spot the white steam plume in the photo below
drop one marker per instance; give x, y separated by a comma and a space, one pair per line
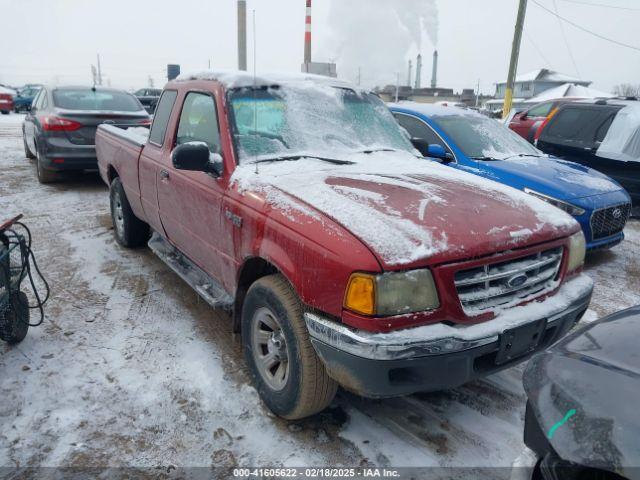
379, 36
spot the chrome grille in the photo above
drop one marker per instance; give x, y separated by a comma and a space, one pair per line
609, 221
483, 288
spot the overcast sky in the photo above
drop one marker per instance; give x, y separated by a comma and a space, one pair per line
57, 40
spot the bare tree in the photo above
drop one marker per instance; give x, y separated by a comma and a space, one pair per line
627, 90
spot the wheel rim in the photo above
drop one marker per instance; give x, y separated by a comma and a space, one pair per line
269, 348
118, 214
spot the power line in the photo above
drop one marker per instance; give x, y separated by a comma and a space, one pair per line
564, 37
537, 49
617, 7
580, 27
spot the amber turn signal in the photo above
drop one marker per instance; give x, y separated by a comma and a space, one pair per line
361, 294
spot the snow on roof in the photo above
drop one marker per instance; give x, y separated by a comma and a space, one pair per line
568, 90
434, 109
239, 79
544, 74
10, 91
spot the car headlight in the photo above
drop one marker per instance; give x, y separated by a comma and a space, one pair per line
393, 293
567, 207
577, 251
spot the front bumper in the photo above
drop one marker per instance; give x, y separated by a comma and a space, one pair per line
437, 357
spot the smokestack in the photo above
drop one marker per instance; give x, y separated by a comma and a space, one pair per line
307, 34
434, 72
409, 76
242, 35
418, 71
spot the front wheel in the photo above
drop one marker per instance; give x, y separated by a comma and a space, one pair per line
128, 229
14, 319
289, 376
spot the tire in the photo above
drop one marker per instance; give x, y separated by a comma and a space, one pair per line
129, 230
5, 112
27, 150
44, 176
14, 320
306, 388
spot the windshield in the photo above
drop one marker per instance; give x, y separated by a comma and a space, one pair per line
311, 120
88, 99
482, 137
622, 141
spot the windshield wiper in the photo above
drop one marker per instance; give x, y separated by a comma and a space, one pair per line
374, 150
523, 155
486, 159
285, 158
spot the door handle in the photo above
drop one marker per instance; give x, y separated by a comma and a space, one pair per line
164, 175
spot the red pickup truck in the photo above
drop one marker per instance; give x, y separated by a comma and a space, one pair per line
345, 258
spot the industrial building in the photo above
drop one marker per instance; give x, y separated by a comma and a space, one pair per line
413, 91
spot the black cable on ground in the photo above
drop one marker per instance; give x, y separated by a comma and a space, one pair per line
28, 258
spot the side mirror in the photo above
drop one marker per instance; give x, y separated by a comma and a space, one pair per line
421, 145
196, 157
438, 151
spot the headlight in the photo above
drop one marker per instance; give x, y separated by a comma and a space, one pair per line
391, 293
567, 207
577, 250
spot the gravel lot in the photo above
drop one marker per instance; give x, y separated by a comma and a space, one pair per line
130, 368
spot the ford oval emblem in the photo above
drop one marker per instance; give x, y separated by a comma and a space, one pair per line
617, 213
517, 280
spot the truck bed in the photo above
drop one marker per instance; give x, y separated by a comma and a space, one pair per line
118, 152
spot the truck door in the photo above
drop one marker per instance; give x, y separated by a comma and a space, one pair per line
151, 160
191, 202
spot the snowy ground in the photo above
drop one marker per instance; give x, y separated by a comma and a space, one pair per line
132, 369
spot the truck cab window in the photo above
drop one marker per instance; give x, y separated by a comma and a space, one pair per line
161, 117
199, 122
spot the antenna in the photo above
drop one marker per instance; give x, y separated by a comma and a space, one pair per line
255, 83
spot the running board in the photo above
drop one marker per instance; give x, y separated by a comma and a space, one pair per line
206, 286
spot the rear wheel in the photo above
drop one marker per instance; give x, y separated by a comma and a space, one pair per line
45, 176
128, 229
14, 320
5, 112
289, 376
27, 150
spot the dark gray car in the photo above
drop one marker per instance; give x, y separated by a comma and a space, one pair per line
148, 98
59, 131
583, 396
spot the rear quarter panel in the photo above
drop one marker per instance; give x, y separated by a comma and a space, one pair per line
122, 156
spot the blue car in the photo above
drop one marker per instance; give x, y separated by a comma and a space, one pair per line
469, 141
23, 100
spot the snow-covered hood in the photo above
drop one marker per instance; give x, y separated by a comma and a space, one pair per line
407, 211
554, 177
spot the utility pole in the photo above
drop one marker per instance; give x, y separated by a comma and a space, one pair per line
409, 76
478, 94
397, 86
242, 35
515, 54
99, 71
359, 75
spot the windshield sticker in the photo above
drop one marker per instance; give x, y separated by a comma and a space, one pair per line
564, 420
